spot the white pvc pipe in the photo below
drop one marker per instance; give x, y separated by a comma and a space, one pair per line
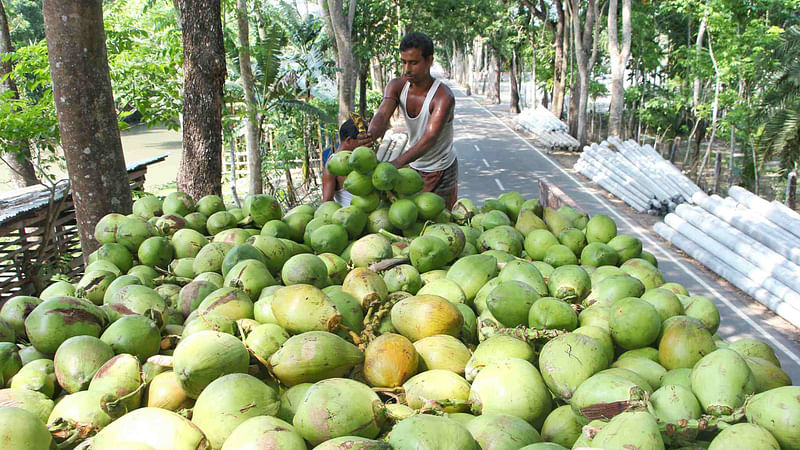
658, 190
612, 187
789, 239
753, 229
738, 279
766, 209
644, 184
754, 251
739, 263
621, 177
621, 187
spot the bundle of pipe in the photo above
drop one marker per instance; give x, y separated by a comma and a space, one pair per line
548, 130
748, 241
392, 145
636, 174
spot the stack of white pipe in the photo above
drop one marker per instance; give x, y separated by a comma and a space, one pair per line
752, 243
638, 175
547, 129
392, 145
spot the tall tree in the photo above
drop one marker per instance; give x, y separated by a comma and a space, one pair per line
619, 60
251, 120
585, 56
200, 170
340, 26
18, 159
559, 60
87, 119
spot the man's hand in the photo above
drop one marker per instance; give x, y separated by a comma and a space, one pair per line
364, 140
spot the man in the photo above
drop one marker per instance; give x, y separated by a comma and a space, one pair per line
428, 107
332, 186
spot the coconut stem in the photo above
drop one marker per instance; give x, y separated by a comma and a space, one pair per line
486, 329
376, 311
67, 432
387, 264
393, 237
706, 422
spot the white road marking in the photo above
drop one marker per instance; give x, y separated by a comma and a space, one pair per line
763, 332
500, 185
476, 148
485, 163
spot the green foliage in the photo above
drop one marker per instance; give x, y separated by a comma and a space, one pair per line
30, 118
781, 108
25, 21
145, 56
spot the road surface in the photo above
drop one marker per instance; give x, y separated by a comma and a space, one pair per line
493, 158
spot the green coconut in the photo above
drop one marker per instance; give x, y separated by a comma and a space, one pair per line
632, 429
721, 381
38, 375
34, 402
22, 430
313, 356
133, 334
78, 359
524, 272
603, 388
421, 316
264, 340
634, 323
205, 356
264, 430
442, 352
302, 307
151, 428
684, 341
776, 411
510, 386
338, 407
556, 362
561, 427
119, 380
229, 401
431, 432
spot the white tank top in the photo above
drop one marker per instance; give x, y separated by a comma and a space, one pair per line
440, 155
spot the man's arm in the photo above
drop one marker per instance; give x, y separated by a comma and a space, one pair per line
328, 184
443, 107
380, 121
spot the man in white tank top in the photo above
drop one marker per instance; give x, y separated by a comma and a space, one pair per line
428, 107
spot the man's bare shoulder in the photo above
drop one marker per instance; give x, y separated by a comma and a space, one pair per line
395, 86
444, 96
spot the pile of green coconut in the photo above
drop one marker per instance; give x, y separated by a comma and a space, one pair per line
392, 323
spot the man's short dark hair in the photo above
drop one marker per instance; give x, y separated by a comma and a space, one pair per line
348, 130
419, 41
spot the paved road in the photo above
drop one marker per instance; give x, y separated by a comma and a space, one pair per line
495, 159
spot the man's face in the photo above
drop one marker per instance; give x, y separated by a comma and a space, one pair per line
415, 66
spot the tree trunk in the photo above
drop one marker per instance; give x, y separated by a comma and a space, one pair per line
494, 78
714, 109
619, 60
87, 119
362, 89
559, 62
19, 159
514, 83
376, 74
251, 121
341, 25
698, 46
584, 39
200, 170
498, 61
